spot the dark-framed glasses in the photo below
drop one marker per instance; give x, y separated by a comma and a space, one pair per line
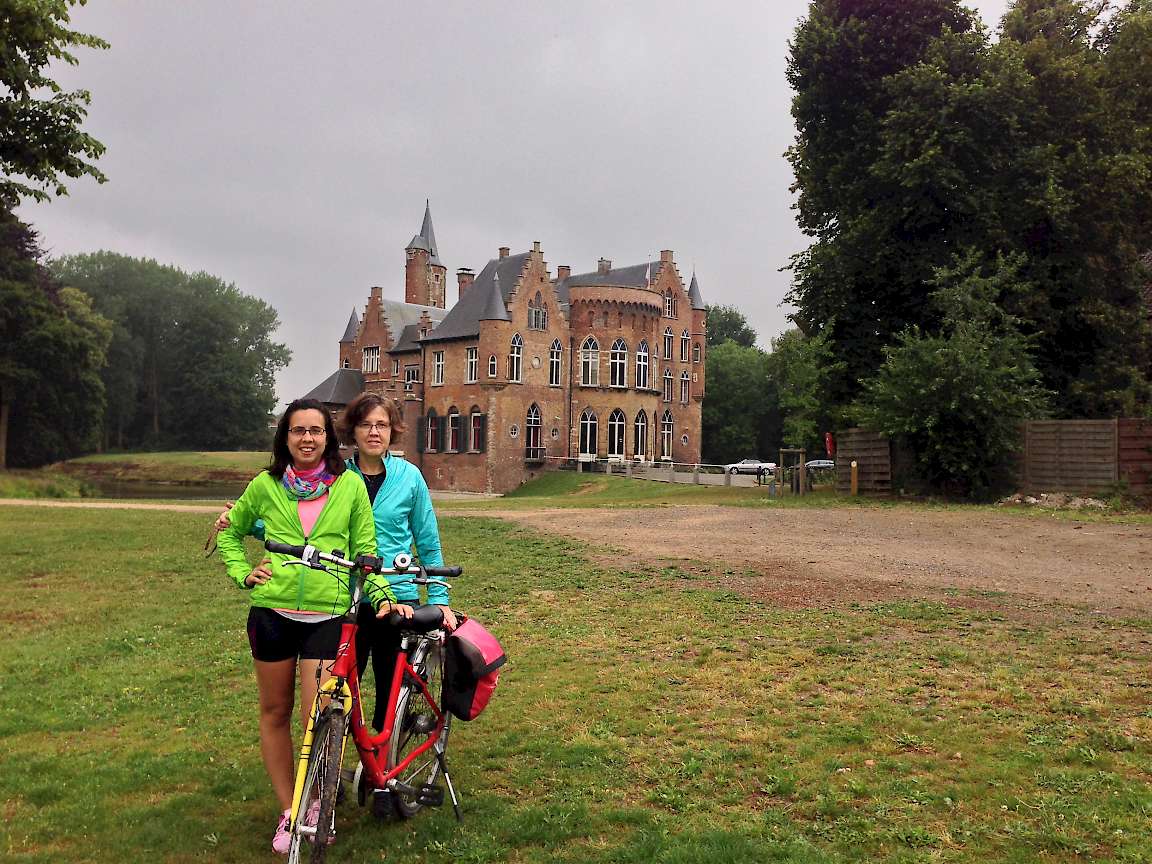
378, 426
301, 431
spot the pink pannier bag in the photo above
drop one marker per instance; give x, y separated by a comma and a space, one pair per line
472, 661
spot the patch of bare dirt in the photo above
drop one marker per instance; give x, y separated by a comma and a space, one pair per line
835, 556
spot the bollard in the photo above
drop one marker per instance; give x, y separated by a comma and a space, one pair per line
696, 474
627, 469
855, 478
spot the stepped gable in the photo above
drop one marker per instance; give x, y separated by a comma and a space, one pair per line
485, 300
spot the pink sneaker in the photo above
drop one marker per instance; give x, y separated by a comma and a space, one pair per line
314, 814
282, 839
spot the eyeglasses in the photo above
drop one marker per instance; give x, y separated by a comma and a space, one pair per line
301, 431
379, 426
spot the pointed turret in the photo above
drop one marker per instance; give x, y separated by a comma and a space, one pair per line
351, 330
426, 239
694, 294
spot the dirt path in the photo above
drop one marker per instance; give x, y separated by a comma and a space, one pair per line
109, 505
810, 557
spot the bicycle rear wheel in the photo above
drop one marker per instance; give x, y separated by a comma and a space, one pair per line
318, 798
415, 722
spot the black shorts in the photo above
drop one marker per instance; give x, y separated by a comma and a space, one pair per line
274, 637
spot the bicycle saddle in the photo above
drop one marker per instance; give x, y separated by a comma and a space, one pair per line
424, 619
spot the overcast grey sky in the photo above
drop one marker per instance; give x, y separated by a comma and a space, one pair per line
289, 147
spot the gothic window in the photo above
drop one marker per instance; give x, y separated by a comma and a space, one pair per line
515, 356
537, 313
666, 436
685, 346
476, 430
433, 440
685, 387
642, 365
533, 428
588, 433
618, 363
491, 365
554, 358
455, 432
696, 352
669, 304
640, 442
667, 385
616, 424
590, 363
668, 338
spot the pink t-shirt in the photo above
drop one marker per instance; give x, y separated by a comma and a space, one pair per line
309, 512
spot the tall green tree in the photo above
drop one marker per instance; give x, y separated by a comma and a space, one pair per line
740, 414
958, 396
918, 137
41, 140
727, 323
802, 367
52, 348
195, 357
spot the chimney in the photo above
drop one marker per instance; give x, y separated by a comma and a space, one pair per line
504, 250
603, 266
666, 256
563, 272
464, 279
535, 245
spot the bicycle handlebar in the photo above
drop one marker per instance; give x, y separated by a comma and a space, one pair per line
401, 564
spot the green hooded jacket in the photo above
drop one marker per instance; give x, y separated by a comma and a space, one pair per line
345, 523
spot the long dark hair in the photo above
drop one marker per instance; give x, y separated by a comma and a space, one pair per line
281, 458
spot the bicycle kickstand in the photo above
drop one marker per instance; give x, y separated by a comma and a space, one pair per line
451, 788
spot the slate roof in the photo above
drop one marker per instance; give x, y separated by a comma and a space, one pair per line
339, 388
426, 239
485, 300
633, 276
400, 315
352, 328
409, 340
694, 294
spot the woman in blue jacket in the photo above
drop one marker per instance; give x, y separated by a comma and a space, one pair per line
403, 515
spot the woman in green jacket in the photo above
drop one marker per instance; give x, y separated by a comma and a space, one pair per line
305, 496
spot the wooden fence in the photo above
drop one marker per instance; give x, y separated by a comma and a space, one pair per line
1134, 452
1070, 456
872, 453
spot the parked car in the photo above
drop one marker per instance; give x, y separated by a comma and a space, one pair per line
750, 466
820, 463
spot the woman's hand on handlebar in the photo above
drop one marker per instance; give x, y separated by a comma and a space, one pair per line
260, 574
450, 621
387, 608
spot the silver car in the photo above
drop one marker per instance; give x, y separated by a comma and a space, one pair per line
750, 466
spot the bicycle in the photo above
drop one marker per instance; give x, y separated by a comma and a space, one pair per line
395, 766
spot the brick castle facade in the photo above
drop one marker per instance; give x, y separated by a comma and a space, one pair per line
529, 369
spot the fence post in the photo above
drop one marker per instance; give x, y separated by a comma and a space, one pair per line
727, 477
627, 469
579, 466
608, 467
696, 474
855, 485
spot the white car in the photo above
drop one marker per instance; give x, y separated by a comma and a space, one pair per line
819, 463
750, 466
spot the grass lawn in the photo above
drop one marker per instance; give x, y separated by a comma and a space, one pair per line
242, 465
41, 484
644, 716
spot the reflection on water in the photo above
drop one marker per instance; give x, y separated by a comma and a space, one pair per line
183, 491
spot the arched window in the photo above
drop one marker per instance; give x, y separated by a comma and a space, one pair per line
588, 433
590, 363
616, 424
666, 435
537, 313
455, 430
515, 356
668, 343
685, 387
533, 443
640, 439
491, 365
618, 363
435, 432
477, 430
555, 355
642, 365
669, 304
685, 346
696, 352
667, 385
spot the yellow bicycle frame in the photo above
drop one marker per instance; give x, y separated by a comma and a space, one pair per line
327, 691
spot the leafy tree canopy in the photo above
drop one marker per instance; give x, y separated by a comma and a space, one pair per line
728, 323
193, 359
740, 416
41, 141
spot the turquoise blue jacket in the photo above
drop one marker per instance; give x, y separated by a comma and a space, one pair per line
404, 518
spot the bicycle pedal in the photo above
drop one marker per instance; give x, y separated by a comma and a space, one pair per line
431, 796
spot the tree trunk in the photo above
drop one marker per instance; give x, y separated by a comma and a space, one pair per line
155, 405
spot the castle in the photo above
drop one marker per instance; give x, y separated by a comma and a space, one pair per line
527, 369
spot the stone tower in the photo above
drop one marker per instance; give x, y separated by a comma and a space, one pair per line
424, 275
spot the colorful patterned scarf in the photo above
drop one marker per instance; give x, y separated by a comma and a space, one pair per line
307, 485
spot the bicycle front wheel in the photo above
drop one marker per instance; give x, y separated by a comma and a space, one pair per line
314, 823
415, 723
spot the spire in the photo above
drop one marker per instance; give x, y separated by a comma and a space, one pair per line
494, 308
694, 294
426, 239
350, 330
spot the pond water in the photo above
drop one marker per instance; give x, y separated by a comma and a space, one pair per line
183, 491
